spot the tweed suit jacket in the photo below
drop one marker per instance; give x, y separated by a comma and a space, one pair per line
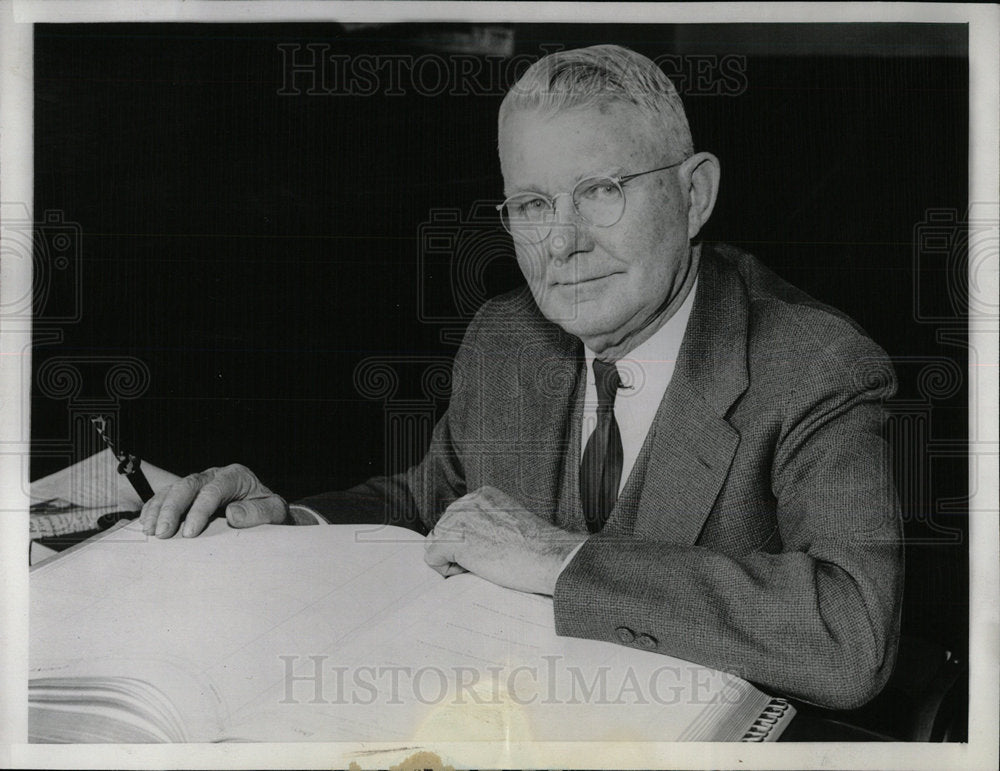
759, 532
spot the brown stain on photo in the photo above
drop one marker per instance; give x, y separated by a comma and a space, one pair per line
418, 761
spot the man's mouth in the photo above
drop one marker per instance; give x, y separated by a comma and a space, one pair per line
583, 281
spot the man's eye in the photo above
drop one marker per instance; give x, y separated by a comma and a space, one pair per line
529, 207
599, 190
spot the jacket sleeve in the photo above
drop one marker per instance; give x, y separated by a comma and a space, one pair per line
416, 497
818, 621
413, 499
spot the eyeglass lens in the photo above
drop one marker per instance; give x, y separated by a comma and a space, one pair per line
598, 200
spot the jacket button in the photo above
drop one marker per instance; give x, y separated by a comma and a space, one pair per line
625, 635
646, 641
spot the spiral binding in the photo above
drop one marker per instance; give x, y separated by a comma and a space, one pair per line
769, 717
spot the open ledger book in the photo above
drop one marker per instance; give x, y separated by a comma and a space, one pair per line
338, 633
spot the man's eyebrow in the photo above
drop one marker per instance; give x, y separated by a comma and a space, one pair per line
614, 171
617, 170
518, 190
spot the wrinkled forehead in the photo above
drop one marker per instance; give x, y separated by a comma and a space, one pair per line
578, 140
588, 112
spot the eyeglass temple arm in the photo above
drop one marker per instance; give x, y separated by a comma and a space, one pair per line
627, 177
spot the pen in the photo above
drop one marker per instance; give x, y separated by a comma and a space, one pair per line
128, 464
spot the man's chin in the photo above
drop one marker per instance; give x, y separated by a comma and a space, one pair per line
577, 322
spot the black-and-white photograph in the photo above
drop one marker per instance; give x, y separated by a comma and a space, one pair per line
468, 389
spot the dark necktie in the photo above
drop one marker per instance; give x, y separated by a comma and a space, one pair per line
601, 469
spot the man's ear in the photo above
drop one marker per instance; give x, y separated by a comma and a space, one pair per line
701, 171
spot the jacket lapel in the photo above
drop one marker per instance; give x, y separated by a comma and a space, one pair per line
692, 443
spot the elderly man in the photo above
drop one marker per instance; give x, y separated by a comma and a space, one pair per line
678, 446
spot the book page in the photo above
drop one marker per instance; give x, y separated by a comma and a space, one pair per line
466, 660
125, 698
224, 606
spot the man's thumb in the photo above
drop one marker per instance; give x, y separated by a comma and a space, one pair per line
249, 513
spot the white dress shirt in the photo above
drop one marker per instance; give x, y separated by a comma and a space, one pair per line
645, 375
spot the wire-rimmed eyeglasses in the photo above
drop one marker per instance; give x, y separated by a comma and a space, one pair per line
529, 217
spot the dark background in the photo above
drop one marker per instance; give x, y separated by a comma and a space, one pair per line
251, 248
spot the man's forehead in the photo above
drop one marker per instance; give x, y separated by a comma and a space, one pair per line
537, 144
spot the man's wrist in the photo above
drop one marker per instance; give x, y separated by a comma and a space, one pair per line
565, 555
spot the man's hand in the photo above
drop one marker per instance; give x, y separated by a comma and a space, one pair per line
196, 497
490, 534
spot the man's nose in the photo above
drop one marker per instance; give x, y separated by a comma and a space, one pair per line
568, 230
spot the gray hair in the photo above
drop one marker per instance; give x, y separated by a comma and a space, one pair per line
600, 74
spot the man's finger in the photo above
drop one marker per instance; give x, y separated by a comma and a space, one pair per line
451, 569
150, 512
257, 511
205, 504
237, 482
452, 524
231, 483
175, 504
439, 554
